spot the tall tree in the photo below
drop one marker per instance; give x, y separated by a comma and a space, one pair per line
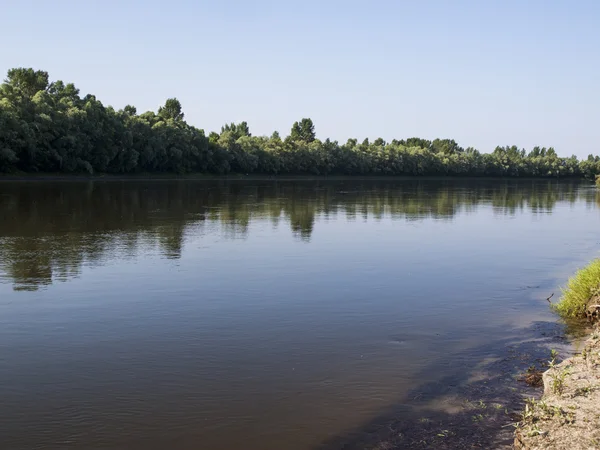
26, 82
236, 130
303, 131
171, 110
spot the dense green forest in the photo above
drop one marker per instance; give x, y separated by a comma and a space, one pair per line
48, 127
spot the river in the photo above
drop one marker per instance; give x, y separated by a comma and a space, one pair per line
263, 314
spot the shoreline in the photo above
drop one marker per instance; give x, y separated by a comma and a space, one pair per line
567, 416
474, 408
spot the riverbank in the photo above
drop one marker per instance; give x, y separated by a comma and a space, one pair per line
567, 417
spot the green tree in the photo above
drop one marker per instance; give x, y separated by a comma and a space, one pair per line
171, 110
26, 82
237, 130
303, 131
130, 110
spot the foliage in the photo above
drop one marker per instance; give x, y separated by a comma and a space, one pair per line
303, 131
49, 127
580, 289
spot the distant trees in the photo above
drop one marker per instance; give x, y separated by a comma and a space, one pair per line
49, 127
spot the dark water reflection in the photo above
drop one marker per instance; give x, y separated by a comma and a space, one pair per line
261, 314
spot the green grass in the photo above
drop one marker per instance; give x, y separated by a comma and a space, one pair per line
580, 289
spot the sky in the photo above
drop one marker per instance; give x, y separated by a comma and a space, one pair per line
482, 72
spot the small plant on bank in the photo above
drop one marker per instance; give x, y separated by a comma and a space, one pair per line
553, 358
558, 382
583, 391
581, 288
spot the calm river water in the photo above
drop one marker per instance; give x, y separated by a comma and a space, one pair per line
262, 315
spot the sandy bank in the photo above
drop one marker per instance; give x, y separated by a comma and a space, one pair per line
568, 415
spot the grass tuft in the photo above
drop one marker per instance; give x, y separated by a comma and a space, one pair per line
581, 288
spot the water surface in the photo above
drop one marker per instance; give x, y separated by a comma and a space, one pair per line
262, 314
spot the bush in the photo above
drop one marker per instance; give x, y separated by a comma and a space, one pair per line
581, 288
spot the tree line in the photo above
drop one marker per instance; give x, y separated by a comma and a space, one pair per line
49, 127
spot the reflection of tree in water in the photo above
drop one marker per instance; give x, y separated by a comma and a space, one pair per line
302, 219
49, 230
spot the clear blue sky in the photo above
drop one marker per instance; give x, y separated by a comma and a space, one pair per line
481, 72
